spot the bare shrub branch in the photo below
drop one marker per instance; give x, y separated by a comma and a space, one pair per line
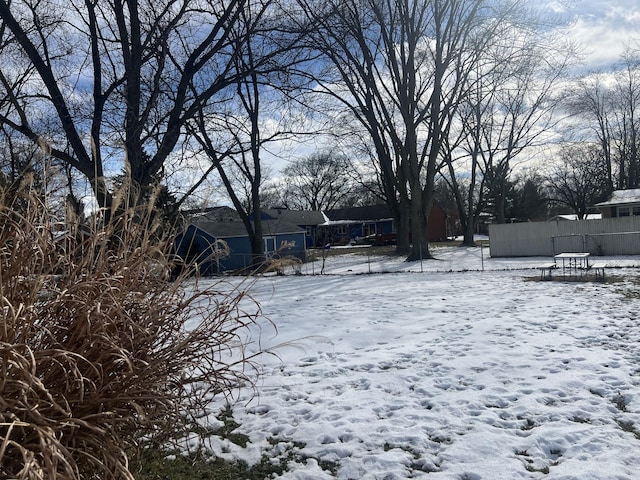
99, 348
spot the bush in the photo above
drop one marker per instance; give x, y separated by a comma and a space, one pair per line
99, 349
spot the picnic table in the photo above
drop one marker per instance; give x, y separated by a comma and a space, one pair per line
546, 269
573, 264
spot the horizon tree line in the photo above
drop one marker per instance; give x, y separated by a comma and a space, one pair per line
415, 92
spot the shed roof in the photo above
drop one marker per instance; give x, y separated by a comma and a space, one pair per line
236, 228
296, 217
622, 197
211, 214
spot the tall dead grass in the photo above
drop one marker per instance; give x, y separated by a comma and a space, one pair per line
98, 348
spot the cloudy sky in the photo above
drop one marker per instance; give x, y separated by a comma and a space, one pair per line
602, 27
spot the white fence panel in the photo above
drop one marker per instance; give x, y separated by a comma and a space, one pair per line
609, 236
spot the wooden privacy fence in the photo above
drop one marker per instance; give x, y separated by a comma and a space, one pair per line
608, 236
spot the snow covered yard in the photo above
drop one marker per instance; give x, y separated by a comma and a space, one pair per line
447, 375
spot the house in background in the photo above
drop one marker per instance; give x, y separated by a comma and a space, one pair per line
621, 203
224, 224
437, 229
308, 220
573, 217
375, 225
287, 233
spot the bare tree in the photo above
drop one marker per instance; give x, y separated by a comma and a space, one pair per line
321, 181
627, 135
467, 182
607, 109
579, 180
234, 136
122, 77
592, 99
397, 68
512, 106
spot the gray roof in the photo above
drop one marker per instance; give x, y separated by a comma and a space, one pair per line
366, 213
224, 213
235, 228
622, 197
296, 217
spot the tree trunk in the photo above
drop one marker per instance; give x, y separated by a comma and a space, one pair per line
419, 232
257, 242
469, 233
420, 244
403, 244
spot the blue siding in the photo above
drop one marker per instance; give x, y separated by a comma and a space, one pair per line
385, 227
295, 244
240, 256
240, 248
195, 245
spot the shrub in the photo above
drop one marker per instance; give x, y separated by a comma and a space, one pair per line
99, 349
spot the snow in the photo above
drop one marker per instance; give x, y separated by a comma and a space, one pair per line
452, 373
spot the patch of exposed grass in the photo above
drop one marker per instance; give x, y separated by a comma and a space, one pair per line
158, 463
228, 429
529, 425
620, 402
629, 427
530, 468
579, 419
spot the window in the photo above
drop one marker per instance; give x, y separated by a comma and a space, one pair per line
623, 211
368, 229
269, 244
636, 211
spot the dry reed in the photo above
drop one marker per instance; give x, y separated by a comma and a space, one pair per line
98, 347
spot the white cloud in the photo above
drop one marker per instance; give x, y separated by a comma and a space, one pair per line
604, 28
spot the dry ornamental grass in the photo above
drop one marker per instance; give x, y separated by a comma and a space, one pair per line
99, 348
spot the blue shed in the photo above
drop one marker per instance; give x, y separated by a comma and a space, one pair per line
308, 220
194, 245
280, 239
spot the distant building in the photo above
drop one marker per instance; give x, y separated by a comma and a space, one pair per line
309, 220
287, 233
198, 242
374, 224
621, 203
573, 217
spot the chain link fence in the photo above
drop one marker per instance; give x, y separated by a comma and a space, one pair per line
444, 258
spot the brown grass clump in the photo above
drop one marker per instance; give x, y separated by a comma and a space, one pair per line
281, 264
98, 348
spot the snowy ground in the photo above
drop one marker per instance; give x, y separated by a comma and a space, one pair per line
453, 373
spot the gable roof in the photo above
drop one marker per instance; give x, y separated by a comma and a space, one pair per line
368, 213
235, 228
225, 222
622, 197
215, 214
296, 217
